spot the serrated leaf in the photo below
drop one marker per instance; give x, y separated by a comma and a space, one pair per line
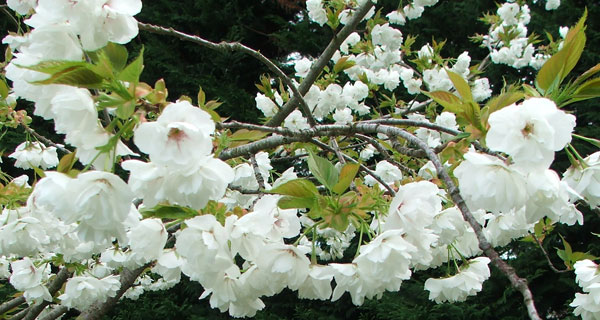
323, 170
461, 85
77, 76
347, 175
169, 212
66, 162
132, 72
300, 188
447, 100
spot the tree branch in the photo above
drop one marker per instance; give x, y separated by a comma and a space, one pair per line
9, 305
44, 139
61, 278
57, 312
328, 130
550, 264
318, 66
361, 166
236, 46
98, 310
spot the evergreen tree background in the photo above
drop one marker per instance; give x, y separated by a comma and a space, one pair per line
278, 28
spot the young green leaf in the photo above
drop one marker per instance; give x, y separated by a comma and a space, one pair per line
462, 87
169, 212
323, 170
347, 175
132, 72
300, 188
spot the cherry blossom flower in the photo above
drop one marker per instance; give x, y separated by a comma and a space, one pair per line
83, 291
465, 283
180, 135
530, 132
585, 180
33, 155
488, 183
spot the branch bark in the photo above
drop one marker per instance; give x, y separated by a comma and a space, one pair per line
98, 310
61, 278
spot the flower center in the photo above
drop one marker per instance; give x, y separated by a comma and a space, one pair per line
527, 130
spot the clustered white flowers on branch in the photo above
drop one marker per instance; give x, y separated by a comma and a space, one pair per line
185, 210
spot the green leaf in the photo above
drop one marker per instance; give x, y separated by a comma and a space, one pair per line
66, 162
300, 188
78, 76
55, 66
296, 202
125, 110
499, 102
346, 177
343, 64
201, 97
132, 72
3, 89
461, 85
589, 73
323, 170
116, 54
589, 89
449, 101
169, 212
560, 64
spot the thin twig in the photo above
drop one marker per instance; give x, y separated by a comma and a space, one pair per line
550, 264
244, 191
362, 167
236, 46
44, 139
257, 174
321, 62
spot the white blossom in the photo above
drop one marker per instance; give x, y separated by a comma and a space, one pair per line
530, 132
467, 282
34, 154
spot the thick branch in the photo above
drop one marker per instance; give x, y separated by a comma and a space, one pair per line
98, 310
54, 314
9, 305
318, 66
236, 46
61, 278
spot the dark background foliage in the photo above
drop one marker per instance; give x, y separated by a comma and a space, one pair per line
277, 29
